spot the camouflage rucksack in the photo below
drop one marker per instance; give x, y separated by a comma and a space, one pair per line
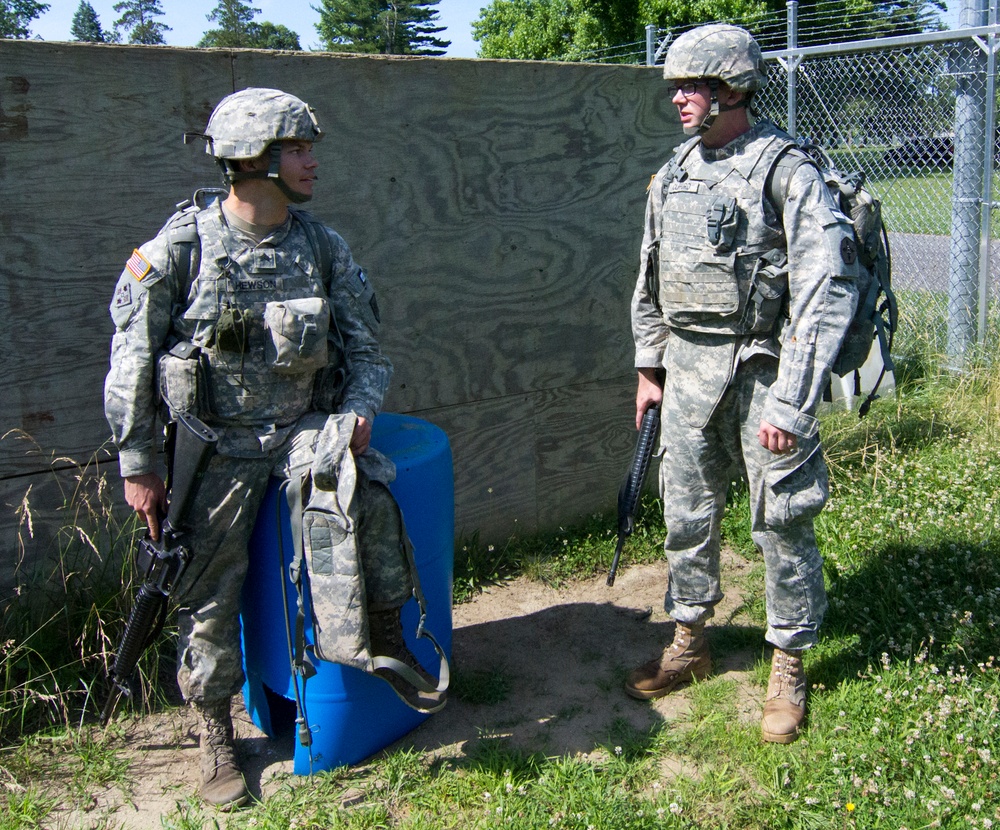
877, 314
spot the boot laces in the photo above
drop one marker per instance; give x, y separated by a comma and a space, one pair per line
217, 739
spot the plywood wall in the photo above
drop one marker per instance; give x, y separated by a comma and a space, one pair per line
497, 206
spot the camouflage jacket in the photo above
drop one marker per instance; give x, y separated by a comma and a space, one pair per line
274, 337
713, 272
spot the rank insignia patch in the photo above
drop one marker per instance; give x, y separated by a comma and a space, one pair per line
138, 266
123, 296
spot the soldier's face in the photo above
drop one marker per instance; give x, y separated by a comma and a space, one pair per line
693, 101
298, 166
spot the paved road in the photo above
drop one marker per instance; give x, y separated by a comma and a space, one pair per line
920, 261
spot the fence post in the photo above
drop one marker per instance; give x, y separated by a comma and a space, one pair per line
968, 168
989, 161
792, 37
650, 44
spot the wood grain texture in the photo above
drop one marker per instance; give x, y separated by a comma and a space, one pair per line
497, 206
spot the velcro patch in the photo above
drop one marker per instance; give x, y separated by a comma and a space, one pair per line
123, 296
138, 266
848, 250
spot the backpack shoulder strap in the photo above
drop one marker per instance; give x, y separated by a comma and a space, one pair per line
184, 245
319, 239
776, 187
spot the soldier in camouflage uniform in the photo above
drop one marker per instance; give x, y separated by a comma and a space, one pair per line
737, 315
227, 314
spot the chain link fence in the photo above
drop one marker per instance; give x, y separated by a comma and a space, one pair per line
896, 113
913, 114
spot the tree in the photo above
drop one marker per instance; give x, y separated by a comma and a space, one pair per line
388, 27
15, 15
577, 29
137, 19
86, 25
238, 30
235, 19
272, 36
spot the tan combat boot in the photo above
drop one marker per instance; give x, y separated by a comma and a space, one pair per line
785, 704
685, 659
222, 783
386, 632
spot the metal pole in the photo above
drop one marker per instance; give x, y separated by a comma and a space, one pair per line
989, 158
650, 45
792, 36
967, 189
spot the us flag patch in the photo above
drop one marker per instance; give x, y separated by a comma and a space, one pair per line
138, 266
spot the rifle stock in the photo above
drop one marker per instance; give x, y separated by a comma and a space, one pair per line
631, 489
161, 563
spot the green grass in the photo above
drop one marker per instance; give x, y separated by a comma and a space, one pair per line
904, 713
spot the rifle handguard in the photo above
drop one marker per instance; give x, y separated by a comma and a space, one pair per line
631, 489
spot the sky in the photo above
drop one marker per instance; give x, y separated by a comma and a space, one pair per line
188, 20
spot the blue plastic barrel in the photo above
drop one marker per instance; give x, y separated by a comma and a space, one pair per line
351, 714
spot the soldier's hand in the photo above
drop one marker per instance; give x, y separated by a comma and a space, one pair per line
774, 439
147, 496
362, 436
648, 393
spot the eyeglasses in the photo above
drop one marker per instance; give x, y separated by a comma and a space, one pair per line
688, 88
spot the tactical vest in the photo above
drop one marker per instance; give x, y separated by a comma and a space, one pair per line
259, 317
721, 267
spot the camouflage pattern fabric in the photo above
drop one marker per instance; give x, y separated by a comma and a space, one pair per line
723, 378
209, 595
262, 408
245, 123
720, 51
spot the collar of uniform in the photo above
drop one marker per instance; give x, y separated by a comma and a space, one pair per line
735, 147
257, 234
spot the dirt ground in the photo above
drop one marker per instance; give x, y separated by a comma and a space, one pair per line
564, 653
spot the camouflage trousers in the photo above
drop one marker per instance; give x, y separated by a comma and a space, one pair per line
787, 491
210, 664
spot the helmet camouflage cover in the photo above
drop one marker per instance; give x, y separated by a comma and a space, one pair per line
247, 122
720, 51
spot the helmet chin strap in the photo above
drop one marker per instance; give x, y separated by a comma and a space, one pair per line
273, 173
714, 109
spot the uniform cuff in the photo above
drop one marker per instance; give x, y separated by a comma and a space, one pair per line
648, 358
359, 408
134, 463
787, 417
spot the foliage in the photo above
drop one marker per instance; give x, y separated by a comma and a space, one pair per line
137, 18
583, 29
86, 25
238, 30
15, 15
388, 27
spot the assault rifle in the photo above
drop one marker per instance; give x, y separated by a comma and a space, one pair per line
631, 489
161, 563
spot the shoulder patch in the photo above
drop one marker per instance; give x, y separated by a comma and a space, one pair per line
123, 296
138, 266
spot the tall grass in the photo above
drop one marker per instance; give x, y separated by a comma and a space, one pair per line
62, 617
904, 712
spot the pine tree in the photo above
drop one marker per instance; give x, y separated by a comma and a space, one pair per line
15, 15
86, 25
237, 29
389, 27
137, 19
236, 26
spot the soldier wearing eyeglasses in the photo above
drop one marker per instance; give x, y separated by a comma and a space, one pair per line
738, 312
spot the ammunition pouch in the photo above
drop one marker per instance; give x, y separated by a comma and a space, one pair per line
180, 383
298, 332
768, 292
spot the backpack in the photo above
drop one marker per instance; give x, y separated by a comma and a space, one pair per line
877, 314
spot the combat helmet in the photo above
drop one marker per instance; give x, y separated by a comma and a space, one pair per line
717, 53
253, 121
